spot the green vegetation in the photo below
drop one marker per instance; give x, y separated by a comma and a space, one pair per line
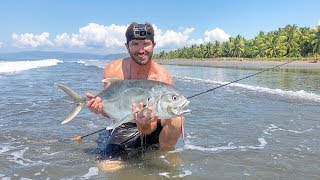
288, 42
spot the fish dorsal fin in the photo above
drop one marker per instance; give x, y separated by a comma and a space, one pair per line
111, 80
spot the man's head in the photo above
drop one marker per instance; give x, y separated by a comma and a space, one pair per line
140, 42
140, 32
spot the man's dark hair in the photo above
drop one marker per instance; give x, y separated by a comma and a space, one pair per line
148, 28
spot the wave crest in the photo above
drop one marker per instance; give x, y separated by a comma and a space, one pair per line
16, 66
302, 94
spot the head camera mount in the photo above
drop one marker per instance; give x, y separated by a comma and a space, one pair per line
140, 32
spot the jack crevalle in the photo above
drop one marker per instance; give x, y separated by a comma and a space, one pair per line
118, 98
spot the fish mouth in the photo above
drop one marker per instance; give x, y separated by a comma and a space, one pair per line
184, 111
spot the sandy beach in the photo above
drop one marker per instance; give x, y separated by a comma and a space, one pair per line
242, 64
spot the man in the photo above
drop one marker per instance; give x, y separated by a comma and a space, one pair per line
165, 132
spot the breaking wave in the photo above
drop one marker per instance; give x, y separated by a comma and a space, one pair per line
295, 94
16, 66
97, 63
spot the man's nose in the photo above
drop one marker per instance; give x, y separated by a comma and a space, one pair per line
141, 49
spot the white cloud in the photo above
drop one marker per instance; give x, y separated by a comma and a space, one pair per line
111, 38
63, 40
1, 44
94, 36
171, 38
31, 40
216, 34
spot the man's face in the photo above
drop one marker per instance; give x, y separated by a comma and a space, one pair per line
141, 51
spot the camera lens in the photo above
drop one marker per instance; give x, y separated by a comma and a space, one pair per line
143, 33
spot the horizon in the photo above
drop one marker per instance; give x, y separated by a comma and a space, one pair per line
54, 51
98, 27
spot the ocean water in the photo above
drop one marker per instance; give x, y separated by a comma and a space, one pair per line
264, 127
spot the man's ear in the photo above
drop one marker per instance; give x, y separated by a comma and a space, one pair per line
127, 46
154, 44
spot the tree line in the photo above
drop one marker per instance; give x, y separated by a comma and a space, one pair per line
290, 41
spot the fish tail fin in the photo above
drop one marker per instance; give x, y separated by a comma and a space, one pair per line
79, 102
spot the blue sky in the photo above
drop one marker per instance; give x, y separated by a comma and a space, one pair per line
98, 26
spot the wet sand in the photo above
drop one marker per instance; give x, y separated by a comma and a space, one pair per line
243, 64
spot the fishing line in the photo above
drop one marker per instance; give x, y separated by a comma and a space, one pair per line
206, 91
79, 138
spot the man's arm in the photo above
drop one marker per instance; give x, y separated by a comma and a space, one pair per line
95, 103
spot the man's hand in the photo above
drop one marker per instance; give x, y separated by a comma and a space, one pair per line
94, 103
144, 121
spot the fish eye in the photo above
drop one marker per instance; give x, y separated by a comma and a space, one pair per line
174, 97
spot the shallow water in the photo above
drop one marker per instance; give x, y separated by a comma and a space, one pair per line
264, 127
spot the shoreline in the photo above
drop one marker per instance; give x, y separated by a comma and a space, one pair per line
219, 63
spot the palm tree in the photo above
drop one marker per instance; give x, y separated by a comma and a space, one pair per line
216, 49
258, 45
202, 51
208, 51
316, 41
305, 41
273, 45
289, 41
226, 48
237, 46
291, 34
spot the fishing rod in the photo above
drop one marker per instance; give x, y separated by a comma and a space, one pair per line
79, 138
206, 91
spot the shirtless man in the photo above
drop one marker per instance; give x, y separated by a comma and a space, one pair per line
165, 132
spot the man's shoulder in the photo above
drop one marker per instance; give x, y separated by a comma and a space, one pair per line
163, 74
115, 68
118, 61
160, 67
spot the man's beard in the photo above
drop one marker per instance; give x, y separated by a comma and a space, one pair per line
136, 59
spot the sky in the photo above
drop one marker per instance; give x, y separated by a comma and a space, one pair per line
98, 26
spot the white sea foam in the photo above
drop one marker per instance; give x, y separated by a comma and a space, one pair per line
18, 156
293, 94
165, 174
5, 178
93, 171
51, 154
97, 63
262, 144
5, 149
181, 175
16, 66
273, 128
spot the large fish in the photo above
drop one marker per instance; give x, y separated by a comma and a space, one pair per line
118, 98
